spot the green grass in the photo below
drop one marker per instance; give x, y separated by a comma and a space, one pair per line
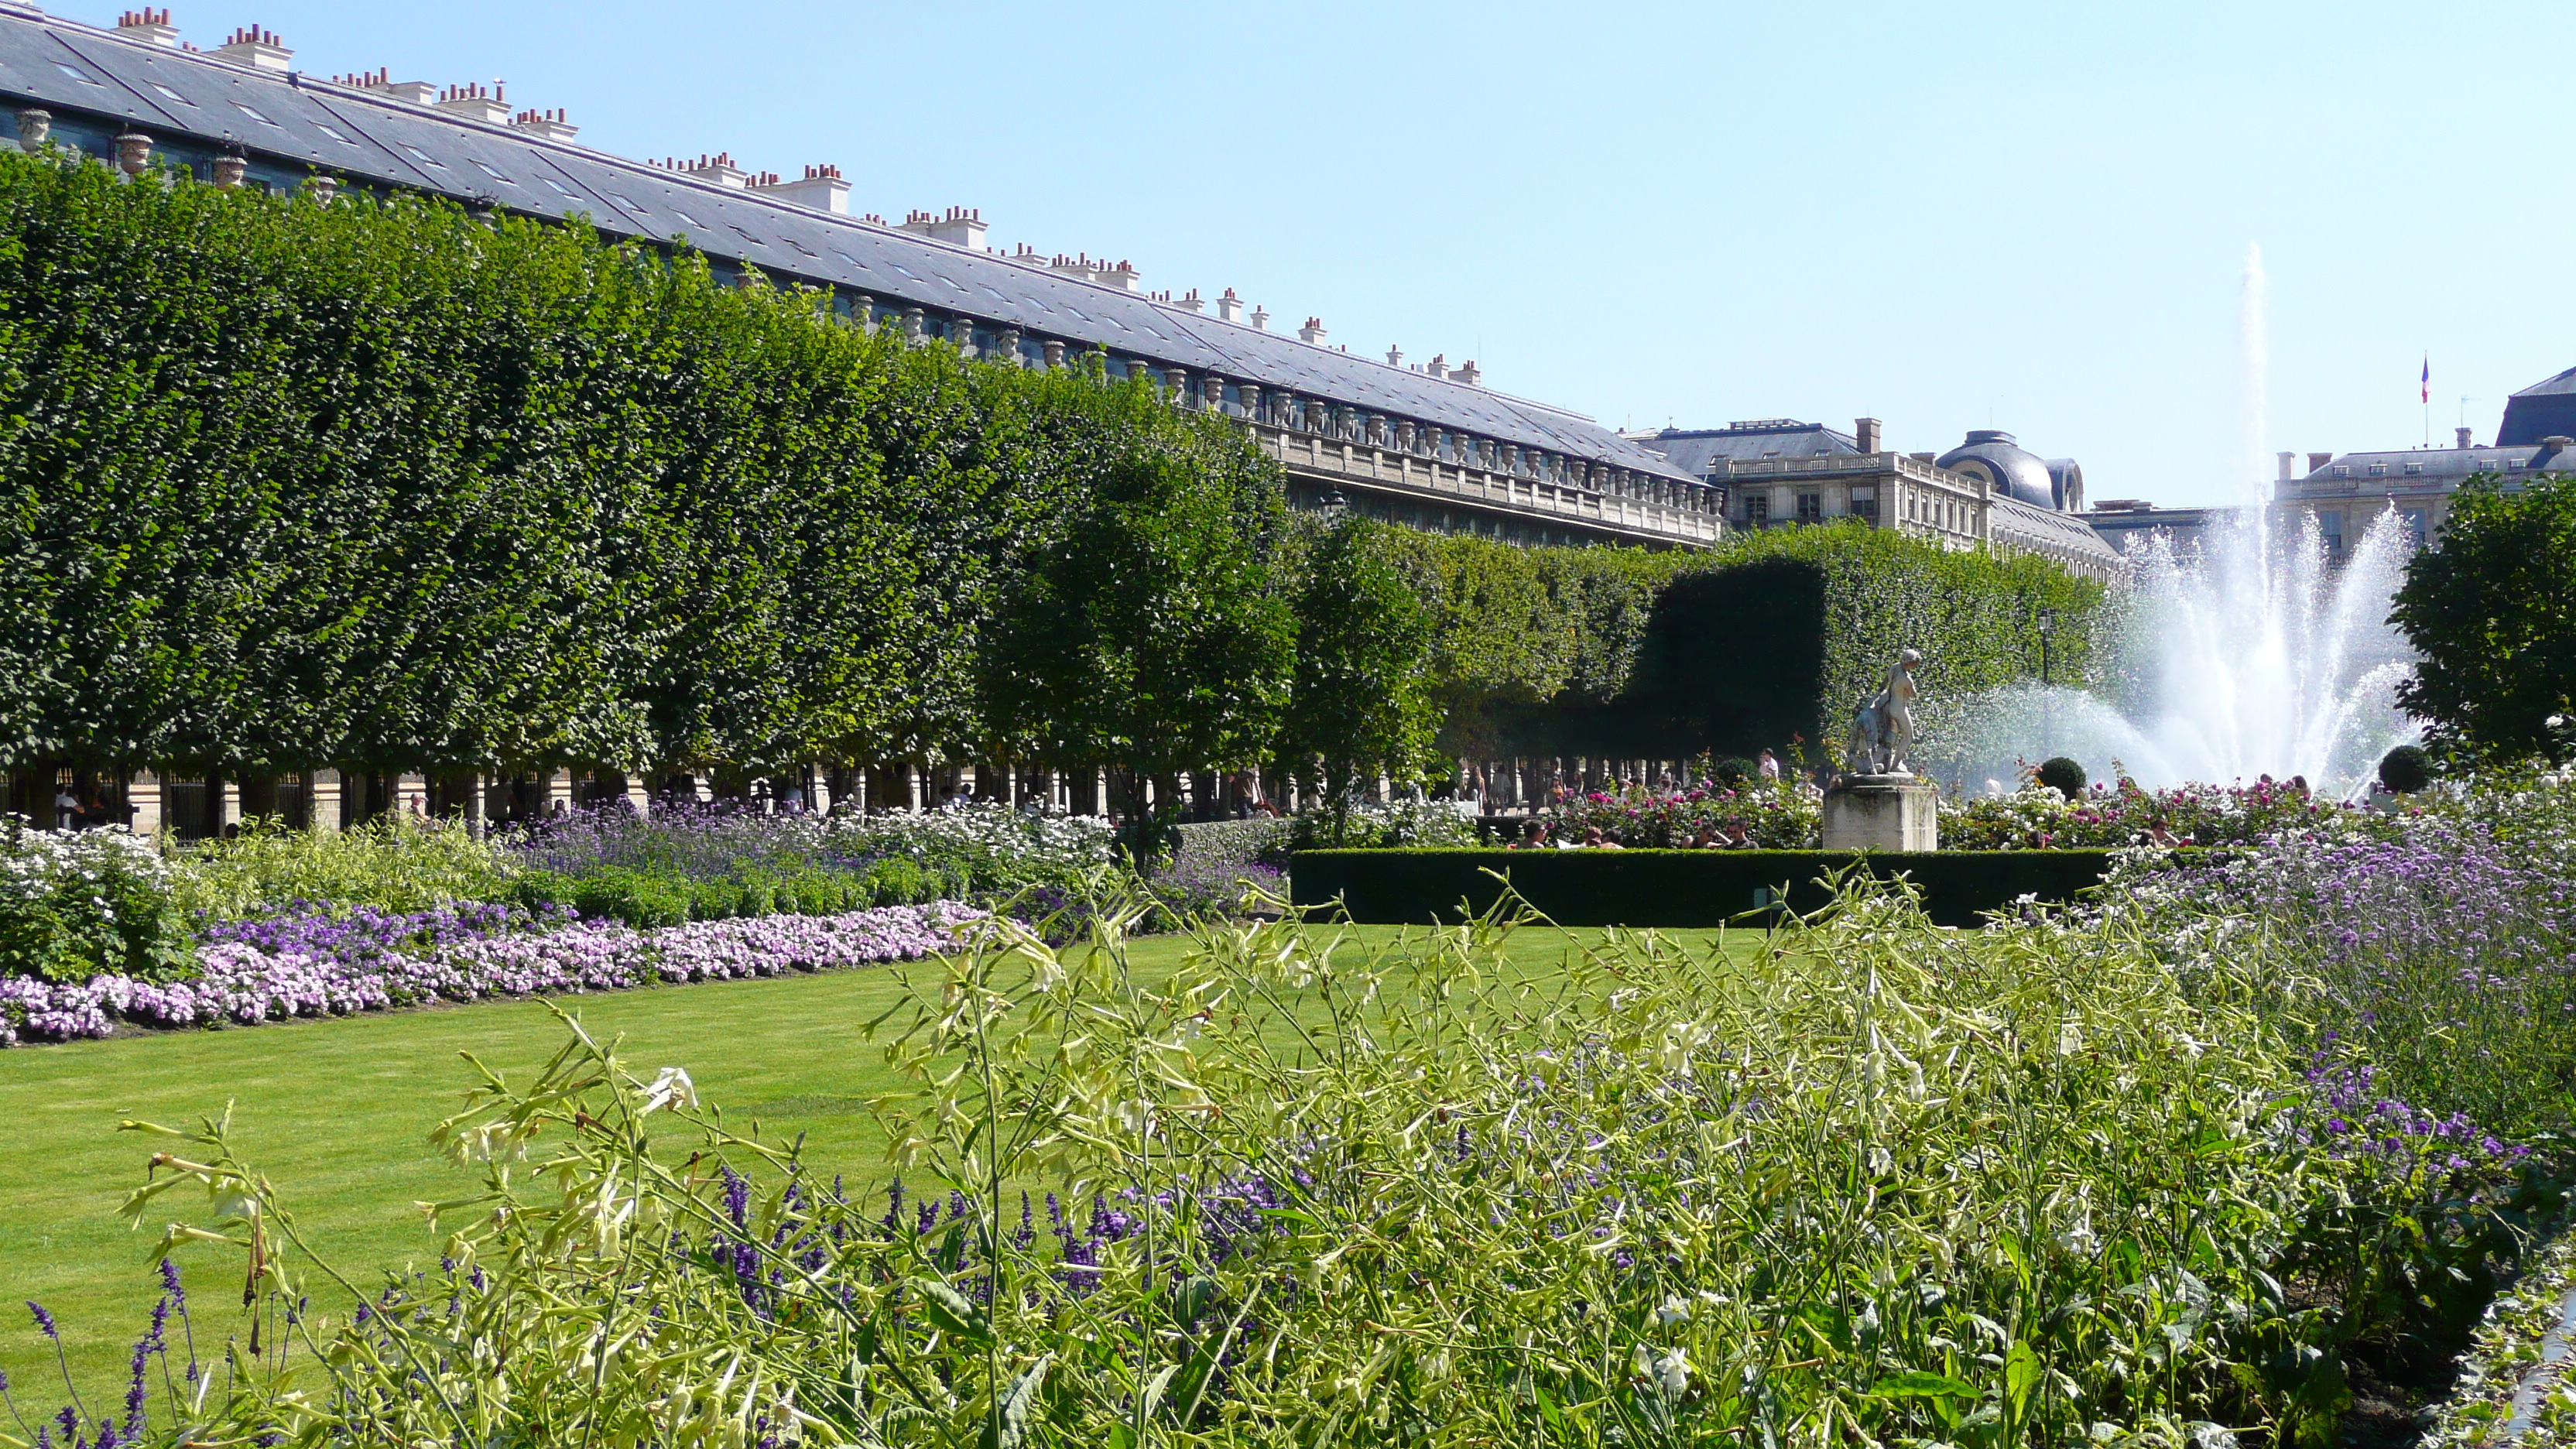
337, 1113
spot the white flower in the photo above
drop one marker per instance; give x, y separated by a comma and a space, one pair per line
673, 1085
1672, 1373
492, 1142
1675, 1310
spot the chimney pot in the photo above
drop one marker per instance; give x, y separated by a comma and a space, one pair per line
1438, 366
148, 25
1260, 320
1865, 434
2460, 433
546, 125
1312, 332
2286, 460
259, 49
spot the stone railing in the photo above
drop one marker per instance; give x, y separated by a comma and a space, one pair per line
1389, 470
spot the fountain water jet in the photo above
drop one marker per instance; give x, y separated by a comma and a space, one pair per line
2256, 658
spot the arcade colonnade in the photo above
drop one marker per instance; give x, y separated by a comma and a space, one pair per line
195, 807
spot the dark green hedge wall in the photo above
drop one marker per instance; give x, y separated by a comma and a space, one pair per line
371, 484
1670, 888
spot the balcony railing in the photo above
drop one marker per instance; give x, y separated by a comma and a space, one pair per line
1386, 469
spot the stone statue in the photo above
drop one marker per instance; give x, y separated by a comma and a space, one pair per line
1882, 732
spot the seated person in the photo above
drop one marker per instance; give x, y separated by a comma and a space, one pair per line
1706, 839
1533, 836
1736, 839
1593, 839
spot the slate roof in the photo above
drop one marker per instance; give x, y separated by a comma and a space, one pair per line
2543, 410
310, 124
1696, 451
2434, 467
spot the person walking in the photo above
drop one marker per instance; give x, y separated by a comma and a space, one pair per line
1770, 768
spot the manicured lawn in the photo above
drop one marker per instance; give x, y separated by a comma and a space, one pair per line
337, 1113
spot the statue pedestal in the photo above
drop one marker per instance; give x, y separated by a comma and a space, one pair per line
1882, 813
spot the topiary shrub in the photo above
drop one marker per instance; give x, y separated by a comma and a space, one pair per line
2406, 769
2062, 775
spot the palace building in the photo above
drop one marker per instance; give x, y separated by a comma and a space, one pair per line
1987, 492
1427, 444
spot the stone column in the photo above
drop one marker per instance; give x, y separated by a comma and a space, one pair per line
322, 801
477, 814
143, 802
558, 790
638, 799
223, 803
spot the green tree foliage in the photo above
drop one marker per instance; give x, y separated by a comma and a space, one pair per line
1362, 700
371, 484
1144, 630
2492, 615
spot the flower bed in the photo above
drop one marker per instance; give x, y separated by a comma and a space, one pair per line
324, 966
1787, 817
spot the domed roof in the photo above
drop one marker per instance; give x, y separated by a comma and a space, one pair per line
2005, 465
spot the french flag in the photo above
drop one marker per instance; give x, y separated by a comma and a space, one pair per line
2428, 377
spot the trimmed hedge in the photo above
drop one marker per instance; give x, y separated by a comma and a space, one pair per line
1670, 888
649, 897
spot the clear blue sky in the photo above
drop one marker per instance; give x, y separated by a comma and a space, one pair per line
1950, 216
